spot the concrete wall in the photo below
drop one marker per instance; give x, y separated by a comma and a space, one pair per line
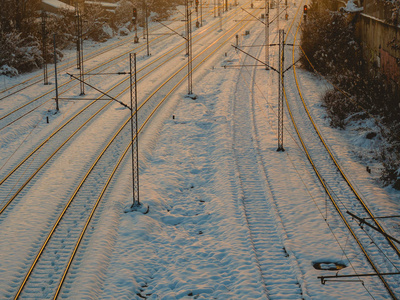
381, 46
378, 29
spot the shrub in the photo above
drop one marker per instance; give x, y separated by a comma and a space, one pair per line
18, 52
329, 43
328, 40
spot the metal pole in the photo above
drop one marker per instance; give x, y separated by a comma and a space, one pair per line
266, 34
215, 15
137, 135
147, 32
280, 91
144, 18
190, 54
187, 27
189, 47
79, 49
201, 12
277, 14
81, 71
55, 70
81, 35
197, 16
78, 44
220, 14
134, 132
44, 48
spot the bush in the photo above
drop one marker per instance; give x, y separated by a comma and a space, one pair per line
338, 108
328, 40
18, 52
329, 43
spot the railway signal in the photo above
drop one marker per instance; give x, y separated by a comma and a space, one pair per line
134, 16
134, 21
286, 13
305, 12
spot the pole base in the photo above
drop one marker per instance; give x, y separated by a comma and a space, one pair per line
280, 149
142, 208
191, 96
136, 40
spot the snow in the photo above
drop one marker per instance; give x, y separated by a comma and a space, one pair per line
59, 5
104, 4
352, 7
199, 238
108, 30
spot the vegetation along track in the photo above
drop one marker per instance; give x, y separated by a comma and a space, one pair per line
64, 66
50, 267
278, 270
381, 253
19, 176
20, 112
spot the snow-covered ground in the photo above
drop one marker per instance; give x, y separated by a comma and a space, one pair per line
204, 166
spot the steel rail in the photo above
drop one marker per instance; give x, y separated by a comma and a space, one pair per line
141, 69
92, 103
86, 122
119, 161
339, 168
331, 197
258, 257
69, 81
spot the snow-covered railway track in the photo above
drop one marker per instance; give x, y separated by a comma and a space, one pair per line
13, 115
278, 273
36, 79
18, 176
380, 252
50, 266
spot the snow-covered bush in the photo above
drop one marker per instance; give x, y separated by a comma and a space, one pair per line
330, 44
97, 24
123, 13
123, 31
18, 52
391, 166
338, 107
8, 71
